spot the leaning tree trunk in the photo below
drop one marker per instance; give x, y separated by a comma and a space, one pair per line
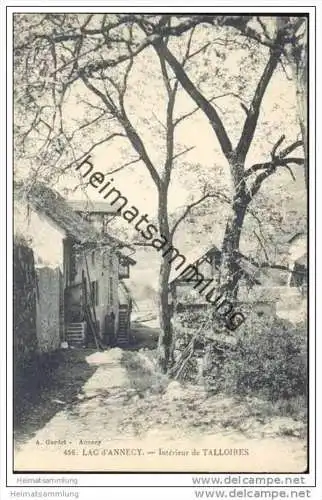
165, 342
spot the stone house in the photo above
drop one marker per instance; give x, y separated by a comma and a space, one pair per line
186, 287
79, 271
278, 289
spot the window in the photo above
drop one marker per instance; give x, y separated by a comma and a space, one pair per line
110, 291
94, 293
93, 258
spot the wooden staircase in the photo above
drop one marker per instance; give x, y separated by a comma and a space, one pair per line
123, 333
76, 334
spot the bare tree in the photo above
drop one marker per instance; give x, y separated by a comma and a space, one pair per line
246, 182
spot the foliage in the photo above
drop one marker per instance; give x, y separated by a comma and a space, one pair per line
186, 324
269, 360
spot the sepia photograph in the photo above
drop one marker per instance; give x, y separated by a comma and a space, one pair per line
160, 204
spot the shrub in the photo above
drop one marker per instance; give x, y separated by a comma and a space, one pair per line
269, 360
188, 322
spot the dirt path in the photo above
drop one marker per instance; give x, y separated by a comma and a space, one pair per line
124, 405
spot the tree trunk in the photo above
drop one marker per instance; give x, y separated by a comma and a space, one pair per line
296, 53
297, 56
165, 342
229, 269
300, 71
165, 337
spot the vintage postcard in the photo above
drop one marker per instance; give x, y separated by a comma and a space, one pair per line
160, 286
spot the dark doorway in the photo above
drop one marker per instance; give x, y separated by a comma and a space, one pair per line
109, 330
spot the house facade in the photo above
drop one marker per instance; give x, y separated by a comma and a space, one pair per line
93, 273
203, 273
45, 240
268, 290
88, 264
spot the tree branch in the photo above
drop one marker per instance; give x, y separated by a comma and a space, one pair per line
151, 39
98, 143
290, 149
269, 169
186, 150
254, 109
265, 265
277, 162
202, 102
227, 94
280, 159
127, 164
131, 133
138, 145
220, 196
276, 146
261, 245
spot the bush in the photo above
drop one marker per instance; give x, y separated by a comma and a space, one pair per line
269, 360
188, 322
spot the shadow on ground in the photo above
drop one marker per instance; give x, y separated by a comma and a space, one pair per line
47, 386
54, 382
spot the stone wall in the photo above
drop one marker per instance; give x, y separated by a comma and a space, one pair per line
49, 323
24, 303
